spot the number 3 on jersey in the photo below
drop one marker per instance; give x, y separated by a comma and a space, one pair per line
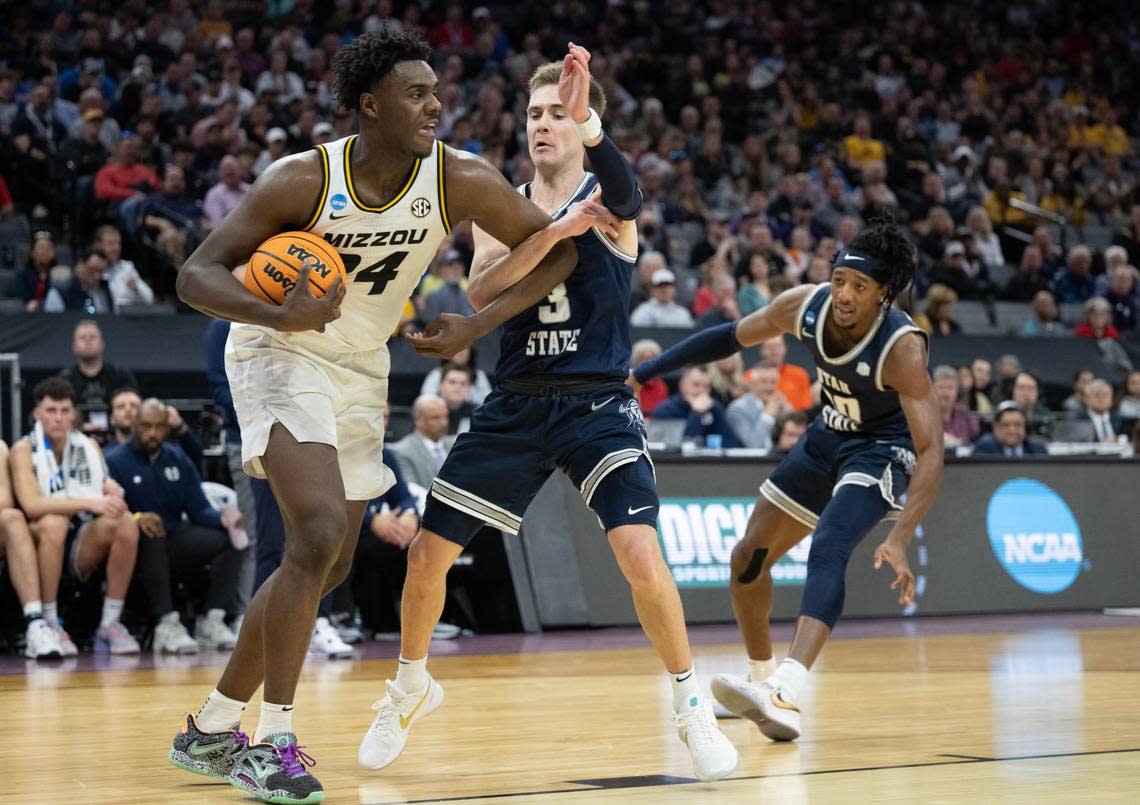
379, 273
557, 307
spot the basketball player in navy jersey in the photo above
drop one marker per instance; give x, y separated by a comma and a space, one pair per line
879, 435
561, 403
309, 384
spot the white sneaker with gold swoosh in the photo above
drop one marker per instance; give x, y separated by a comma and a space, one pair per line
395, 715
768, 707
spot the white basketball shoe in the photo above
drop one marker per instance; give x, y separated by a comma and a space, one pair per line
395, 714
768, 707
714, 756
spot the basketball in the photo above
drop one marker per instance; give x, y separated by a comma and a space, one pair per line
273, 269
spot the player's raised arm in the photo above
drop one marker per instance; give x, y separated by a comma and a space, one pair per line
282, 199
620, 192
476, 191
727, 339
905, 372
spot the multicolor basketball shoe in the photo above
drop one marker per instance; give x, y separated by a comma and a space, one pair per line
276, 770
209, 753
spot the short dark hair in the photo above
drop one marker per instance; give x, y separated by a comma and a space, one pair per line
885, 241
364, 61
456, 367
56, 388
124, 390
799, 417
92, 251
1028, 374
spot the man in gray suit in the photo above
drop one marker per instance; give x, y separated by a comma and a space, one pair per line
421, 452
753, 416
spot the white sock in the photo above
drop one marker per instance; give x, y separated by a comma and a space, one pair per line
790, 676
169, 617
759, 670
411, 675
33, 610
112, 609
216, 615
274, 718
219, 713
686, 691
50, 613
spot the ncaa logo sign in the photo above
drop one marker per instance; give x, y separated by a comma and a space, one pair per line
1034, 535
338, 202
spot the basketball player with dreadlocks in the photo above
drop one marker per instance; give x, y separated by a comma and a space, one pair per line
879, 435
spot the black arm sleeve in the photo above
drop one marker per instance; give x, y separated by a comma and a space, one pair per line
620, 193
703, 347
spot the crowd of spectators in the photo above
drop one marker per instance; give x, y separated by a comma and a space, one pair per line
762, 138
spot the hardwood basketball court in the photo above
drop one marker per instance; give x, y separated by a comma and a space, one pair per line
1028, 709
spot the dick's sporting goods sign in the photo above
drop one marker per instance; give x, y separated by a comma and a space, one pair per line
697, 536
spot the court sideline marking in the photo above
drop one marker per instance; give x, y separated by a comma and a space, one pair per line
617, 783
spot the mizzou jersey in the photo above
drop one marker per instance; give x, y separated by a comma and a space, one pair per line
386, 250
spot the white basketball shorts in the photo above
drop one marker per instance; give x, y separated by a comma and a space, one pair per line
338, 403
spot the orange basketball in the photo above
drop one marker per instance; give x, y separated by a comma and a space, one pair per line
273, 269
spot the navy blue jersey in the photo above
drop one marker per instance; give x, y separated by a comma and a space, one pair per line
582, 327
855, 397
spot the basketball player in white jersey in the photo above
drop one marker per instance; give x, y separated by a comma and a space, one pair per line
309, 377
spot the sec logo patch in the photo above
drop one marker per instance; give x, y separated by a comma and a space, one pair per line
421, 207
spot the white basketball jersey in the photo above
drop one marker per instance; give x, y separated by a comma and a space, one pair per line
386, 250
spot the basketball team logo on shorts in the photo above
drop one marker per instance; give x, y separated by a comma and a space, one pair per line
421, 207
632, 410
338, 202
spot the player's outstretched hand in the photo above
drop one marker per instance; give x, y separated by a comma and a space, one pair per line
584, 215
303, 311
574, 83
445, 337
894, 555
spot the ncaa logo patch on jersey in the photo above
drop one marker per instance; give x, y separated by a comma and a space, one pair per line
421, 207
338, 202
809, 318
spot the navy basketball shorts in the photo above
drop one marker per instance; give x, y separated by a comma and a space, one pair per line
516, 441
824, 460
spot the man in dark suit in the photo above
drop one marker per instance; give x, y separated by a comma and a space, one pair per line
1106, 424
421, 452
1008, 437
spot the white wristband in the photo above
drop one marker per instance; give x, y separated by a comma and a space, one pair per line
591, 129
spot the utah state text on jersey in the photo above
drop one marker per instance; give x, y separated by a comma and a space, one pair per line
552, 342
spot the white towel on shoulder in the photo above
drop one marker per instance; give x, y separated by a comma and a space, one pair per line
82, 472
